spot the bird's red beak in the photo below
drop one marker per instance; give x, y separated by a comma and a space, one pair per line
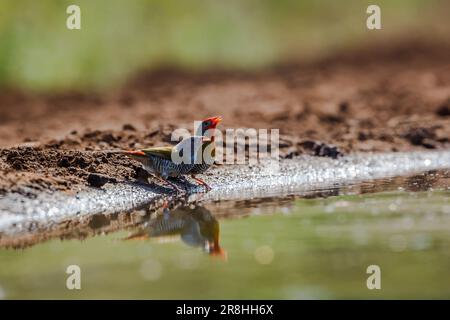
214, 122
135, 153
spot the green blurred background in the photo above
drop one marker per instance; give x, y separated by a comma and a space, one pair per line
120, 37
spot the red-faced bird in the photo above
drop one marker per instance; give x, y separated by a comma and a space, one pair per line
160, 161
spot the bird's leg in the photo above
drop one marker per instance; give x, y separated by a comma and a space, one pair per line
200, 181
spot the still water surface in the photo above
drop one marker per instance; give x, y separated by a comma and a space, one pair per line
314, 245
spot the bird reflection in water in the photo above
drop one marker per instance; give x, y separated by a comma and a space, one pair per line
196, 226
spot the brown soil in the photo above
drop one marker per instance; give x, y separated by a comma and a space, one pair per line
376, 99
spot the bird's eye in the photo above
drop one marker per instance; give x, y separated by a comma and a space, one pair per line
207, 123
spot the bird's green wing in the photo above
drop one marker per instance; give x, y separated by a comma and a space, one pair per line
162, 152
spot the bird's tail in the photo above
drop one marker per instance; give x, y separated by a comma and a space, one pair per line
133, 153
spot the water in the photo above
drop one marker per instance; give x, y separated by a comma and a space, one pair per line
313, 245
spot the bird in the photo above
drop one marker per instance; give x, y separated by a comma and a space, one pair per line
208, 126
159, 161
196, 226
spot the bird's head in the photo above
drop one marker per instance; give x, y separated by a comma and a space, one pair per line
219, 253
210, 124
213, 247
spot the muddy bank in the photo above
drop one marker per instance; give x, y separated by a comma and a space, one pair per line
22, 218
372, 99
388, 98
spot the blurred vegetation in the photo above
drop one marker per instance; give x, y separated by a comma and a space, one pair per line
120, 37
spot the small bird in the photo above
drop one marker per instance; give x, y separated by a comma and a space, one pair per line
159, 162
207, 126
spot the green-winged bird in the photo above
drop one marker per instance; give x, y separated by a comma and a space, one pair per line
160, 162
